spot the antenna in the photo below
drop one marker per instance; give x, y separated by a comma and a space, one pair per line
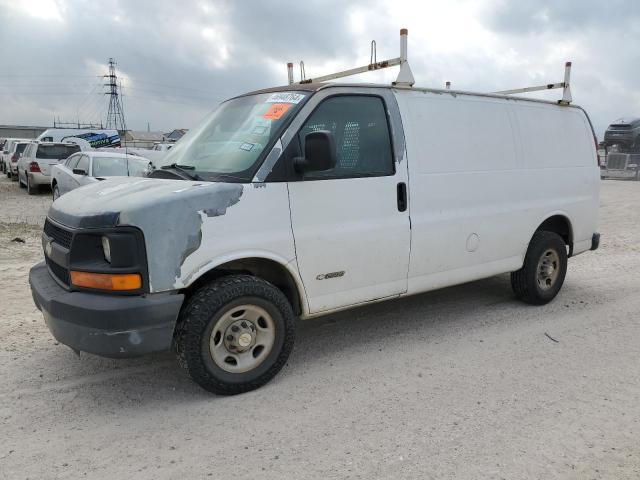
404, 79
115, 115
565, 86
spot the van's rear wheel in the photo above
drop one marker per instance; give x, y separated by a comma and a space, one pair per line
545, 266
235, 334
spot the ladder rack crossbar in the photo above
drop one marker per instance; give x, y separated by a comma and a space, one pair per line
548, 86
404, 79
565, 86
354, 71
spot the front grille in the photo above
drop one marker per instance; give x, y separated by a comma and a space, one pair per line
617, 161
59, 235
58, 271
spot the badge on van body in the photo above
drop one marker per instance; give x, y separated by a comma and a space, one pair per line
327, 276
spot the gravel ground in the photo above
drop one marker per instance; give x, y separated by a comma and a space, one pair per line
459, 383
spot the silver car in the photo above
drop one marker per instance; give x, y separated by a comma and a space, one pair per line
83, 168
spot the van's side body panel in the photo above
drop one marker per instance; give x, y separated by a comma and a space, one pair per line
484, 173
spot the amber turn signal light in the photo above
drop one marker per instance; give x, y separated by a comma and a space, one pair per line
107, 281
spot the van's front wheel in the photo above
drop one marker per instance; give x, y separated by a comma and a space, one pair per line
545, 266
235, 334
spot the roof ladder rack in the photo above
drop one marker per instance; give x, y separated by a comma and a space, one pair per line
565, 86
404, 79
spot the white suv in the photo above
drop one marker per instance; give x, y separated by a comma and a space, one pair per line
34, 167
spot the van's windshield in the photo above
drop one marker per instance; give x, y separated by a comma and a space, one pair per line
231, 140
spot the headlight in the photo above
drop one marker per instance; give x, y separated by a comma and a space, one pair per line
106, 249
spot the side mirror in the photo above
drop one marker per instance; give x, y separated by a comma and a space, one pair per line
319, 153
79, 171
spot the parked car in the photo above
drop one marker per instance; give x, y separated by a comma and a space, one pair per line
34, 166
625, 134
6, 154
83, 168
11, 164
309, 199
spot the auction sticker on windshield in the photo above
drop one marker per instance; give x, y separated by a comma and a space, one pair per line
285, 97
276, 111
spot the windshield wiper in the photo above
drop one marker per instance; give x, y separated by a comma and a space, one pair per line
184, 170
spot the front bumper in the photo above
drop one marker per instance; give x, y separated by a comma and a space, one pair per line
115, 326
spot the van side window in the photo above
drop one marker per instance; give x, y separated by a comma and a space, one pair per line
361, 133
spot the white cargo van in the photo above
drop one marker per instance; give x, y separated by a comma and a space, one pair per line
97, 138
307, 199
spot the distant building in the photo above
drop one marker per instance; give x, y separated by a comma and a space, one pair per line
141, 139
176, 134
20, 131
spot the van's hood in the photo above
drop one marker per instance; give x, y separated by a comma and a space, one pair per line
131, 200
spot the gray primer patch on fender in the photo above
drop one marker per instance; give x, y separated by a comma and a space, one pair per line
172, 227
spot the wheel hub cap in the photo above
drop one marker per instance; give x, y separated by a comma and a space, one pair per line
242, 338
548, 268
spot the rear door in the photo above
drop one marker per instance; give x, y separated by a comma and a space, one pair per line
351, 230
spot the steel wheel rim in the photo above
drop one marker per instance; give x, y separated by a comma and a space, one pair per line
548, 269
242, 338
56, 193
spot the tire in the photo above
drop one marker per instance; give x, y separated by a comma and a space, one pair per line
203, 332
31, 190
20, 184
55, 192
545, 266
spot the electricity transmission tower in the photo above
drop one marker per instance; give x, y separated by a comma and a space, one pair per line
115, 115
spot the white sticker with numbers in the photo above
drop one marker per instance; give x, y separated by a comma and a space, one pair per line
285, 97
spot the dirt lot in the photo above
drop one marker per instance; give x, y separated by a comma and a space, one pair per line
458, 383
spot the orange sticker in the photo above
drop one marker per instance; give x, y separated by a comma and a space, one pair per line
276, 111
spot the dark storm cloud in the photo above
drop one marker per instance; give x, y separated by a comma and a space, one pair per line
180, 58
177, 73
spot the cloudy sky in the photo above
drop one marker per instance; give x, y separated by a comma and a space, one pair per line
178, 59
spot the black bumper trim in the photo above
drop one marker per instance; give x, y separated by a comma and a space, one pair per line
595, 241
106, 325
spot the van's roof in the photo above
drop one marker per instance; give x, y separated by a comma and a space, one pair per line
314, 87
